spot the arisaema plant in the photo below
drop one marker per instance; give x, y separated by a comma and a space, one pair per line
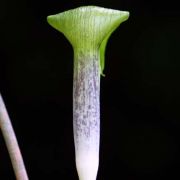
88, 29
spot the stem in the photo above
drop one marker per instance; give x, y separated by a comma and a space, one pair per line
86, 120
11, 143
87, 29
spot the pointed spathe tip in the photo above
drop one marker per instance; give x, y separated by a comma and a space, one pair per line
124, 15
50, 20
55, 21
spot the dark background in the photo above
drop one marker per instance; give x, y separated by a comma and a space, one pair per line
140, 95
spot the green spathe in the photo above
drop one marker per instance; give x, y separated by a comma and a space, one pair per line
88, 27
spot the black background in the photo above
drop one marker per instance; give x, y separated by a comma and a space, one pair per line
140, 95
